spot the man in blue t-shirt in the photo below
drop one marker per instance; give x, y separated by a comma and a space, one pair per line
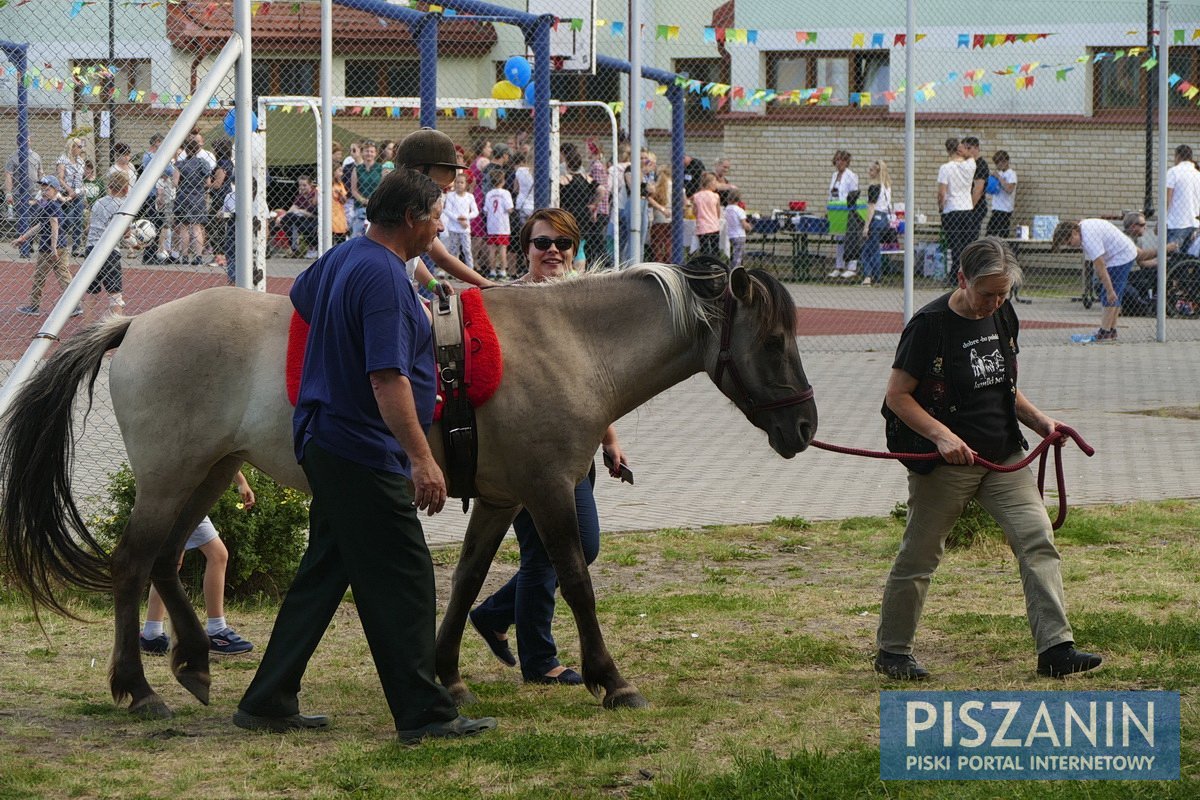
366, 400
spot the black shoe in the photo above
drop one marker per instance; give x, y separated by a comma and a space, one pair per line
900, 667
498, 646
450, 729
1063, 659
295, 722
568, 677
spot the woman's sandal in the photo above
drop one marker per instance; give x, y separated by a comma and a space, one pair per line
568, 677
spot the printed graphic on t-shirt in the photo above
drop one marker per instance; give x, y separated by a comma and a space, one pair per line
986, 367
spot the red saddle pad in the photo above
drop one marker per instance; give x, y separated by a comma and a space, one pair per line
484, 361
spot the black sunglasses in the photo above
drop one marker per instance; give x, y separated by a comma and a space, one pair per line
544, 242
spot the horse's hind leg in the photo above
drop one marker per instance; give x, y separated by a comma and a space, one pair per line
145, 541
161, 519
484, 532
189, 656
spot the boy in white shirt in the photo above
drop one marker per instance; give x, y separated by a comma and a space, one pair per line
1112, 254
736, 226
459, 209
1004, 199
497, 204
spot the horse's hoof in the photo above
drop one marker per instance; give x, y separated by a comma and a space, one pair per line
150, 708
625, 697
195, 682
461, 695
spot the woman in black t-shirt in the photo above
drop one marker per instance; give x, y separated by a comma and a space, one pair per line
954, 383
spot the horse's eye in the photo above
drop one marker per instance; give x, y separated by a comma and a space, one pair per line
776, 344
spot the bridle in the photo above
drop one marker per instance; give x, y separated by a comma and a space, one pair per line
725, 363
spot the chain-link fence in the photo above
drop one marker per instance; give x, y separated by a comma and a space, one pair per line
796, 112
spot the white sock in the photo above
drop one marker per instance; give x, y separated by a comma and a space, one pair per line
152, 629
216, 625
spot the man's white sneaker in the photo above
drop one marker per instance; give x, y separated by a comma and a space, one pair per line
837, 273
866, 282
849, 273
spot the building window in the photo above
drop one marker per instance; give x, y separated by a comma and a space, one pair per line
278, 76
848, 72
379, 78
1123, 84
705, 70
131, 75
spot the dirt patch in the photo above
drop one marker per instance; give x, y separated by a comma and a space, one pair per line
1174, 412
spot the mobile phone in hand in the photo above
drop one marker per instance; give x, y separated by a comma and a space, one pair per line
626, 472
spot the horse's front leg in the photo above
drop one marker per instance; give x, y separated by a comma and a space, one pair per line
557, 522
485, 531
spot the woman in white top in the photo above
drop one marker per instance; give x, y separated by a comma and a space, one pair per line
879, 209
843, 182
1112, 254
70, 174
956, 178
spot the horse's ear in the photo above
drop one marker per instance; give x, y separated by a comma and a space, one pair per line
739, 282
707, 276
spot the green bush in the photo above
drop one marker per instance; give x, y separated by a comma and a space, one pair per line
973, 525
265, 542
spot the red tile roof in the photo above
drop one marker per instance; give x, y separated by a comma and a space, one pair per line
282, 27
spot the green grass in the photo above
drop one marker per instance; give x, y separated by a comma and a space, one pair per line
752, 644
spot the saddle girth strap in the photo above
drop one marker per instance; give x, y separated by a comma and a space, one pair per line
459, 434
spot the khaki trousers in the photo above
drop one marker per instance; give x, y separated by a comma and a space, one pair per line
935, 502
46, 262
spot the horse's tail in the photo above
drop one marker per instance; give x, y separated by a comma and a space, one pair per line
45, 540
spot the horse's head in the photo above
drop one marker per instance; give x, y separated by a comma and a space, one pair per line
752, 355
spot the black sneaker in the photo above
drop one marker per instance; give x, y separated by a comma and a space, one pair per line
158, 646
1063, 659
900, 667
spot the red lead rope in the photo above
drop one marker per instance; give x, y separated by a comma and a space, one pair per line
1056, 439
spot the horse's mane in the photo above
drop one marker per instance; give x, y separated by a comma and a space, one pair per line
775, 309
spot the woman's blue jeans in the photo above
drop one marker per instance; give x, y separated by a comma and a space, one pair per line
871, 259
527, 600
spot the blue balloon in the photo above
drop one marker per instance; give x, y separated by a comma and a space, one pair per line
518, 71
529, 93
231, 122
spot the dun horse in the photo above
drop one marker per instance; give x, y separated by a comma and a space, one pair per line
578, 355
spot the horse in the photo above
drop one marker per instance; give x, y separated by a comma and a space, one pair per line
578, 355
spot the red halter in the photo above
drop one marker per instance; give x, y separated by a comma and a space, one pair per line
725, 362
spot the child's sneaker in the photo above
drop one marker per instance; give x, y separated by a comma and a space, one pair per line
158, 646
228, 643
1105, 335
29, 311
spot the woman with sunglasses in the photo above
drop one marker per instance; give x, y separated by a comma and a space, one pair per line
549, 239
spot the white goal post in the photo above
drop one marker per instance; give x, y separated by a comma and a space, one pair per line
313, 104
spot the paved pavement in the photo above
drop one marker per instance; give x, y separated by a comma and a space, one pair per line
697, 461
